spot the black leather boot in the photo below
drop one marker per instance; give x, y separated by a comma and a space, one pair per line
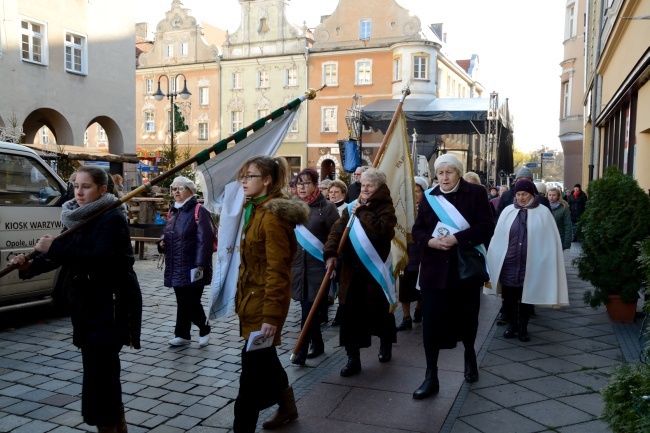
417, 315
471, 367
385, 351
301, 356
407, 324
511, 331
429, 386
354, 363
523, 331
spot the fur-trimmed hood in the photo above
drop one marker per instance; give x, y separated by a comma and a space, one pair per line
290, 210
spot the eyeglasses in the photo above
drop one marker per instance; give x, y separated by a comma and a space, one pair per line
248, 177
323, 188
179, 188
357, 174
303, 184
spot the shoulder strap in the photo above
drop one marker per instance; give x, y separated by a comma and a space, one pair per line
196, 212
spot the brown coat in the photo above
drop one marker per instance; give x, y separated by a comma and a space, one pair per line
268, 247
378, 221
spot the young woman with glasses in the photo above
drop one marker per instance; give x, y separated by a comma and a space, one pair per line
267, 249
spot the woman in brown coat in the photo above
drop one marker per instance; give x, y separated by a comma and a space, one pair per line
264, 289
365, 309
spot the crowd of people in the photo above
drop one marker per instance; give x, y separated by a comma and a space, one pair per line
466, 240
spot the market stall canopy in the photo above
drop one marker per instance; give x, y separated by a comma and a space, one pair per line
433, 116
78, 153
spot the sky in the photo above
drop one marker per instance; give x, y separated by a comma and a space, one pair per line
519, 46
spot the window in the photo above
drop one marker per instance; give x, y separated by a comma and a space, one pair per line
169, 50
102, 134
203, 131
420, 67
330, 74
29, 183
34, 42
148, 85
397, 65
236, 121
294, 165
262, 113
204, 96
149, 121
172, 84
571, 22
329, 119
364, 30
236, 80
184, 49
262, 79
363, 72
75, 53
566, 93
45, 137
291, 77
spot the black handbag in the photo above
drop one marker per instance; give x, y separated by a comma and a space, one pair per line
471, 265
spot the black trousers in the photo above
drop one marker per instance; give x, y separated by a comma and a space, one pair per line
101, 392
449, 316
513, 306
313, 333
189, 310
261, 382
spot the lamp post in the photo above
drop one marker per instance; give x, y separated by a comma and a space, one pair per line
184, 94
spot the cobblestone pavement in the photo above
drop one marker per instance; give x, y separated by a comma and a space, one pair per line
549, 384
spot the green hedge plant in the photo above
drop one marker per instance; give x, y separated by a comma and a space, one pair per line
616, 218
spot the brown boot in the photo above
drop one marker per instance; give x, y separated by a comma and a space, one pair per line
285, 413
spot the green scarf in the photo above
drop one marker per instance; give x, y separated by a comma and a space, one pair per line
249, 208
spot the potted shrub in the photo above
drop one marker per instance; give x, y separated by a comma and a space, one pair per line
616, 218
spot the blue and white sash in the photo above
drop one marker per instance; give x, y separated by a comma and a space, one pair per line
381, 271
309, 242
449, 215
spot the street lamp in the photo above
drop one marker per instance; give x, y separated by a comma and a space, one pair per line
184, 94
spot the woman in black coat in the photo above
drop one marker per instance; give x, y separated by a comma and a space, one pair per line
577, 205
188, 242
450, 306
308, 270
106, 304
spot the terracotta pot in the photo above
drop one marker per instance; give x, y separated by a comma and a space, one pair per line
619, 311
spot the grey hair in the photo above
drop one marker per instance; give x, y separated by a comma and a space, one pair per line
374, 175
470, 175
325, 183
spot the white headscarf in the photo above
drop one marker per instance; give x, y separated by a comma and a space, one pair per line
449, 159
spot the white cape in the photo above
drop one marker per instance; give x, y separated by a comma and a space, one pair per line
545, 281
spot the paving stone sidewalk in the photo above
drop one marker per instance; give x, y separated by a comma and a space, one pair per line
548, 384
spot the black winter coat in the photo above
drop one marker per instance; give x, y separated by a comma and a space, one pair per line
307, 272
188, 244
577, 205
439, 269
97, 263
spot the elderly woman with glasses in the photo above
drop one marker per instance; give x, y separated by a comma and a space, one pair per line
324, 187
363, 299
187, 243
308, 269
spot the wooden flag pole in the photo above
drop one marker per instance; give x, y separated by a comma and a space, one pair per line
200, 157
328, 275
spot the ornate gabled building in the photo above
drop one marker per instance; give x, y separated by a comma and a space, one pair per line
179, 55
264, 66
372, 54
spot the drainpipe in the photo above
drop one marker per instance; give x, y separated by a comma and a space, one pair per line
595, 101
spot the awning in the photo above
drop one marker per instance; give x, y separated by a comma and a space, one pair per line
431, 116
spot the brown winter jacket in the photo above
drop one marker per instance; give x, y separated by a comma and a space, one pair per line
378, 221
267, 249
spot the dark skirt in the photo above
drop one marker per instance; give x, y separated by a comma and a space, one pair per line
366, 313
407, 291
450, 315
101, 391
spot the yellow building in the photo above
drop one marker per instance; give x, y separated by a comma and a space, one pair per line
617, 101
264, 66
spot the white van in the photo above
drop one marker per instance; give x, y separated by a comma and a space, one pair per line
31, 195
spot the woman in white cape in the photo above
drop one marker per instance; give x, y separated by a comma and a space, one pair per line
526, 261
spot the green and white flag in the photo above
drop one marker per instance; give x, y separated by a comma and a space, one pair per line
223, 195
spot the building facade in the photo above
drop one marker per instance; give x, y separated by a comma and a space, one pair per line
617, 98
66, 67
264, 66
572, 83
179, 57
363, 55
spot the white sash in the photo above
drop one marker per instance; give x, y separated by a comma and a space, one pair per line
381, 271
448, 214
309, 242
